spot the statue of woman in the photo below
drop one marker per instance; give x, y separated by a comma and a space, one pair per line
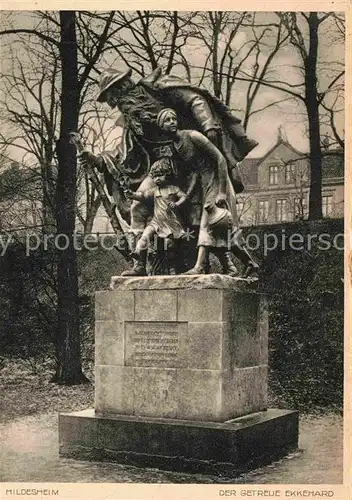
218, 218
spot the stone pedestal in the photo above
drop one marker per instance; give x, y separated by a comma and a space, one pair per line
227, 448
180, 358
181, 352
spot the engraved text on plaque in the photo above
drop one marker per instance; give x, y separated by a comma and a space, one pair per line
152, 344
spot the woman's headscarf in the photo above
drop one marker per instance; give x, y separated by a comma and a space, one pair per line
163, 114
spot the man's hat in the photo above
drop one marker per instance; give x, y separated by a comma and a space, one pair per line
109, 78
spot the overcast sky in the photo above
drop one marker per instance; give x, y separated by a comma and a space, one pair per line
264, 125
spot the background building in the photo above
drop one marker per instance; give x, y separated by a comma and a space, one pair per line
276, 190
277, 185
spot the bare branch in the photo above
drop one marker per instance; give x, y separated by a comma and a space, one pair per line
270, 105
40, 35
331, 84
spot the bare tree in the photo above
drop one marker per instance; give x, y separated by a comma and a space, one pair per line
99, 132
230, 45
268, 42
30, 110
19, 195
217, 32
332, 99
305, 31
145, 40
298, 169
59, 32
233, 41
69, 370
245, 203
312, 97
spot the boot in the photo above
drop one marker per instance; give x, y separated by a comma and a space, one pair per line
251, 267
172, 262
251, 271
228, 267
139, 265
195, 270
206, 265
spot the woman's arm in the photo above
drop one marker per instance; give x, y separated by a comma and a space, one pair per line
191, 186
208, 149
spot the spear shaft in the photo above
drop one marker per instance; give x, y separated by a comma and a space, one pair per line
110, 207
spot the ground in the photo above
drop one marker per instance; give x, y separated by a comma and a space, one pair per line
26, 390
30, 453
29, 450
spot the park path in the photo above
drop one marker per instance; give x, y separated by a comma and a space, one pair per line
29, 453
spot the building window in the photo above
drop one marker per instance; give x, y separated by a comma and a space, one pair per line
281, 210
273, 175
290, 173
327, 206
300, 208
263, 211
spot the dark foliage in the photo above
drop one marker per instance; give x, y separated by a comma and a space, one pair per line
306, 326
28, 297
306, 311
27, 302
306, 304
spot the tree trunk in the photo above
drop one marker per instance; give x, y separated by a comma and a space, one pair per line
69, 369
48, 195
312, 105
215, 62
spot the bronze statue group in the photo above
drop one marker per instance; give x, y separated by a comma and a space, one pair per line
178, 169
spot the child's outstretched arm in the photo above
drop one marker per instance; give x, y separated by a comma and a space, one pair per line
138, 196
182, 198
192, 184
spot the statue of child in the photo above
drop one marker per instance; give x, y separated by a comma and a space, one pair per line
166, 222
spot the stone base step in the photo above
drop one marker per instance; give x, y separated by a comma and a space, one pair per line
229, 448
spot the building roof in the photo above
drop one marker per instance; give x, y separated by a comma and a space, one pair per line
249, 170
333, 164
278, 143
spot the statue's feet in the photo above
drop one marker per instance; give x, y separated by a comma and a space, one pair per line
137, 270
195, 270
228, 267
251, 271
231, 271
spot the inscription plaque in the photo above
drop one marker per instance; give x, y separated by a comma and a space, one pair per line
152, 344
